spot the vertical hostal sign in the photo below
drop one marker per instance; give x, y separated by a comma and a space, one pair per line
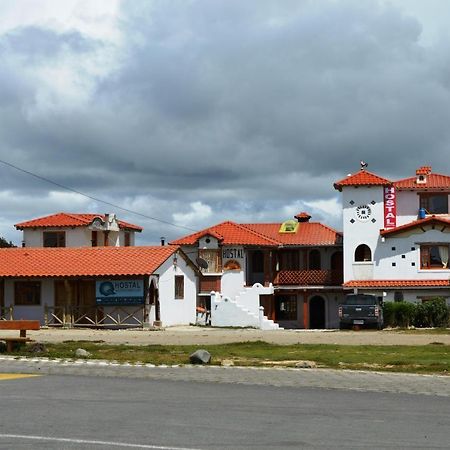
390, 208
119, 292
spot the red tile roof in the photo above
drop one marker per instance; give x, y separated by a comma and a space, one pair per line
308, 233
362, 178
63, 219
266, 235
229, 233
396, 283
416, 224
89, 261
433, 181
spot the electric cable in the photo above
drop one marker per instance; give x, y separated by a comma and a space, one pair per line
47, 180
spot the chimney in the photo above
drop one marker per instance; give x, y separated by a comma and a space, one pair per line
421, 174
302, 217
163, 241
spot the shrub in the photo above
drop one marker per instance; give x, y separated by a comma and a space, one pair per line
399, 314
433, 313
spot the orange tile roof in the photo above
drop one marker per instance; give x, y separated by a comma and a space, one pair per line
229, 233
266, 234
308, 233
416, 224
87, 261
362, 178
63, 219
433, 181
396, 283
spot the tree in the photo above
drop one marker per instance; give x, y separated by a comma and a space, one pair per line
4, 243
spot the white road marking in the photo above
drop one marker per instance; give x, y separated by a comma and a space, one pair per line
86, 441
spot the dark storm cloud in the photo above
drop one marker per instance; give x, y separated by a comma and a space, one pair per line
244, 106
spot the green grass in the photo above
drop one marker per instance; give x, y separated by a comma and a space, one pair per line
414, 359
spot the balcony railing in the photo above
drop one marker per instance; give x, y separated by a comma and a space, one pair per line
309, 278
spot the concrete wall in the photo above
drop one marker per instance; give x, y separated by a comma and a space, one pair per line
76, 237
177, 311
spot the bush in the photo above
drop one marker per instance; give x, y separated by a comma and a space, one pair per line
399, 314
433, 313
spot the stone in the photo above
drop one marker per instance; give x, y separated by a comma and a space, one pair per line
227, 362
82, 353
305, 365
200, 357
37, 347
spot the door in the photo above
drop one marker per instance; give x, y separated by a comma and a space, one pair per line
317, 313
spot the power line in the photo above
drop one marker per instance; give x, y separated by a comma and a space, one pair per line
47, 180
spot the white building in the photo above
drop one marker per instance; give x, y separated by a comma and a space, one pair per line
266, 275
78, 230
396, 235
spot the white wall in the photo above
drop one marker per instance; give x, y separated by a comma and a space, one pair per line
75, 237
177, 311
358, 232
407, 207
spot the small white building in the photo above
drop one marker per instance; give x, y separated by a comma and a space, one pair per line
397, 235
78, 230
98, 287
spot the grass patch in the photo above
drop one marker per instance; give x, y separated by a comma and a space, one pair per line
414, 359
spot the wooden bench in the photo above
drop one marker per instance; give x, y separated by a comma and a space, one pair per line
23, 326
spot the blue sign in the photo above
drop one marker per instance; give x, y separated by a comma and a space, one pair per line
119, 292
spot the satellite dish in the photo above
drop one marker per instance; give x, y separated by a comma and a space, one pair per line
201, 263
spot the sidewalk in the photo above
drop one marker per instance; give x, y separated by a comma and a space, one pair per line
209, 336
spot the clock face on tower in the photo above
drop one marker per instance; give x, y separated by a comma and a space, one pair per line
363, 213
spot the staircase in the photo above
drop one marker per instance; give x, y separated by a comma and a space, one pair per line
242, 311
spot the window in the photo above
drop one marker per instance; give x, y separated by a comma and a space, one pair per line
289, 260
286, 307
27, 293
127, 239
398, 296
179, 286
434, 203
290, 226
434, 256
213, 258
363, 253
314, 260
94, 239
54, 238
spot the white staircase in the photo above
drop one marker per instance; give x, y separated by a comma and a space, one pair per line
242, 311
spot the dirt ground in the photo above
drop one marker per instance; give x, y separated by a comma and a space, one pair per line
203, 336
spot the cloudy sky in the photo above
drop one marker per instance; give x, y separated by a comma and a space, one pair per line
199, 111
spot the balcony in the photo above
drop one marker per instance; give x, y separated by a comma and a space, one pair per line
309, 278
209, 283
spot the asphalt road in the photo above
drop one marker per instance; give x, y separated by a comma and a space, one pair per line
94, 412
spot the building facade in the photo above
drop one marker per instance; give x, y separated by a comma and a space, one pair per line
268, 275
396, 235
78, 230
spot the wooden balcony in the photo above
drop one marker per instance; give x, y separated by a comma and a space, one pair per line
308, 278
209, 283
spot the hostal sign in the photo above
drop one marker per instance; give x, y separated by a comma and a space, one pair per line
119, 292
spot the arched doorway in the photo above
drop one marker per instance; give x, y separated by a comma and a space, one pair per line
317, 313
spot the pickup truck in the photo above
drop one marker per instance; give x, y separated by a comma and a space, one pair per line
361, 310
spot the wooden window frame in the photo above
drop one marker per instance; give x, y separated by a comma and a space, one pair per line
425, 257
214, 259
23, 290
94, 238
60, 238
289, 314
424, 202
179, 287
127, 239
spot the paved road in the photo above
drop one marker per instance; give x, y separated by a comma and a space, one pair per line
316, 378
93, 412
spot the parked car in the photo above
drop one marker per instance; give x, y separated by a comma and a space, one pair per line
361, 310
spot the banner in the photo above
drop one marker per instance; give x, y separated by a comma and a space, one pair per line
119, 292
390, 208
